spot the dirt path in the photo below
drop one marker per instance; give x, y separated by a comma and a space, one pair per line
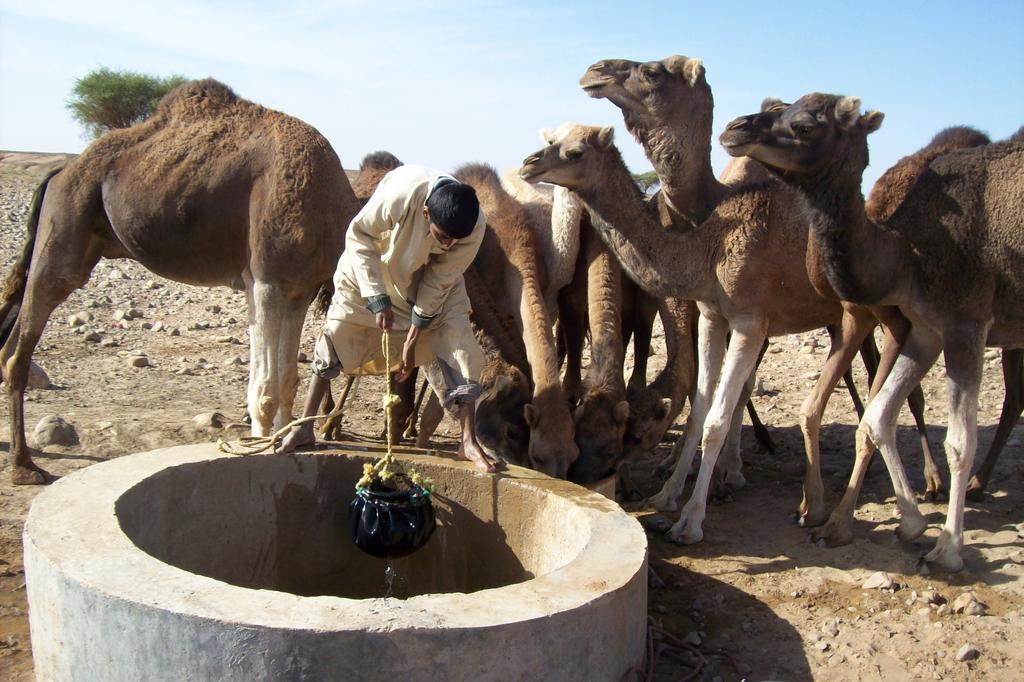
780, 607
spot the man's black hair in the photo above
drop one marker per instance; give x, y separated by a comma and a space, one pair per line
454, 208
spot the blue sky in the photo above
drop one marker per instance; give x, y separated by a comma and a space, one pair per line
442, 83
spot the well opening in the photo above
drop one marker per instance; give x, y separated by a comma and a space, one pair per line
281, 524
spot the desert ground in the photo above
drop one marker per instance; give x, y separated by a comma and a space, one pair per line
758, 599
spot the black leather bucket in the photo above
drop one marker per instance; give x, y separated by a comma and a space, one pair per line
390, 523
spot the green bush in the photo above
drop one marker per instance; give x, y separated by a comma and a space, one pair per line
104, 99
646, 180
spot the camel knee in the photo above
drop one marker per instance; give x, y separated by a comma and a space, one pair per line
715, 432
262, 409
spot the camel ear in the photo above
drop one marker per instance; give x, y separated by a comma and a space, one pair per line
621, 412
605, 137
691, 69
547, 135
663, 408
531, 414
771, 103
871, 121
848, 111
502, 384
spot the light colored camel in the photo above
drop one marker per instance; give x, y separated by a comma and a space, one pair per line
730, 265
668, 106
949, 257
212, 190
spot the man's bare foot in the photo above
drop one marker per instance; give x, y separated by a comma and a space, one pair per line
30, 474
303, 434
475, 454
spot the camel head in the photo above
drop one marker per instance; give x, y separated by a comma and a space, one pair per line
600, 426
551, 449
650, 417
816, 133
672, 91
570, 158
500, 426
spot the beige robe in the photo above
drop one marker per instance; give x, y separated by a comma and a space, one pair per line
389, 250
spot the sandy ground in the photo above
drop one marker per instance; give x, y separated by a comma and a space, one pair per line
763, 602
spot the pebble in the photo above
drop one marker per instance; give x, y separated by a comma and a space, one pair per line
213, 309
967, 653
944, 610
302, 357
879, 580
92, 336
174, 331
53, 430
37, 377
227, 339
139, 361
693, 638
78, 319
822, 646
235, 361
209, 420
831, 627
157, 326
185, 371
968, 603
109, 342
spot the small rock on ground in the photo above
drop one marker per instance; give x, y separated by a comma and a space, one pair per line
53, 430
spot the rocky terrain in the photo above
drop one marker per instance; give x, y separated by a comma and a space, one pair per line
135, 362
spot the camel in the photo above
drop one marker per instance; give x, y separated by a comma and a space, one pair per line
602, 411
728, 265
511, 270
211, 190
668, 107
885, 197
949, 257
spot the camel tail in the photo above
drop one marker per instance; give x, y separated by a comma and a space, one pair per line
17, 278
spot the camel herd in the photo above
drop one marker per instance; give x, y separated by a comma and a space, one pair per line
215, 190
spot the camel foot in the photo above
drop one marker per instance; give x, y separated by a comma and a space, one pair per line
911, 527
475, 454
686, 531
941, 558
30, 474
934, 495
836, 532
975, 490
722, 493
808, 519
300, 436
735, 480
663, 501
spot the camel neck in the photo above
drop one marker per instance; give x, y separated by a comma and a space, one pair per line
604, 303
862, 260
663, 262
689, 189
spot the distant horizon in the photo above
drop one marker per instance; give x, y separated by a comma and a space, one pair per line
461, 82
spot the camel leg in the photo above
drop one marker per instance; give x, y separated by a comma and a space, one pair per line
711, 333
739, 364
731, 462
1013, 404
572, 306
293, 313
644, 310
878, 429
331, 428
62, 265
848, 339
764, 439
964, 349
268, 313
410, 430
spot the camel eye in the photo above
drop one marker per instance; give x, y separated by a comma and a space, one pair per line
650, 73
574, 153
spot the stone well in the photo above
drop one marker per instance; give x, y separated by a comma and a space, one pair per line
187, 564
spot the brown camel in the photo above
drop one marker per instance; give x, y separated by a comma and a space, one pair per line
668, 106
511, 269
211, 190
729, 265
885, 197
602, 411
949, 257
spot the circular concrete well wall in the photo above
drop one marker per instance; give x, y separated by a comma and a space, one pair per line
184, 563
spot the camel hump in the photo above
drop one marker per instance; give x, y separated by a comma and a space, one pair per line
380, 160
477, 173
895, 184
372, 170
196, 96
